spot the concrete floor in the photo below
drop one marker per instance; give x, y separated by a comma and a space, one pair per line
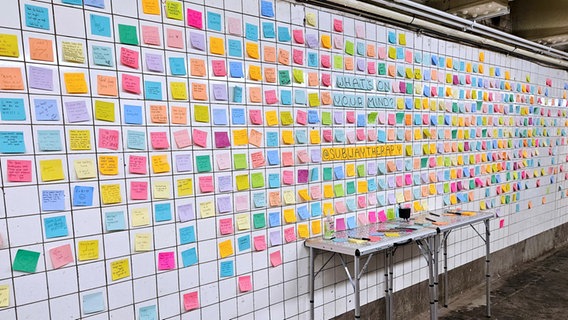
535, 290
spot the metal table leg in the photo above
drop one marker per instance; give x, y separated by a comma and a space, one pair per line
446, 281
435, 261
356, 287
430, 258
487, 273
391, 279
387, 297
312, 282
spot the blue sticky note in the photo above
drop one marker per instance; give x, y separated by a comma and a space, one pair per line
163, 212
235, 48
313, 117
135, 140
286, 97
132, 114
177, 66
313, 59
55, 227
76, 2
226, 268
114, 221
95, 3
392, 37
273, 158
100, 25
272, 139
189, 257
251, 32
83, 196
46, 110
148, 313
220, 117
12, 142
314, 174
259, 199
303, 212
187, 235
351, 223
301, 136
300, 97
238, 116
266, 9
236, 69
53, 200
284, 34
274, 180
361, 120
237, 94
49, 140
244, 243
316, 209
213, 21
12, 109
93, 302
37, 17
102, 56
153, 90
360, 48
268, 30
400, 53
274, 219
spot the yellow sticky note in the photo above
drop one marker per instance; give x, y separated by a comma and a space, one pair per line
243, 221
185, 187
328, 208
311, 19
9, 45
391, 234
75, 82
289, 215
108, 165
139, 217
151, 7
304, 195
288, 137
73, 52
328, 191
240, 137
88, 250
161, 190
252, 50
271, 117
303, 231
402, 39
326, 41
315, 137
289, 197
286, 118
206, 209
104, 111
316, 227
84, 168
242, 182
201, 113
255, 73
110, 193
313, 99
143, 242
160, 163
481, 56
51, 170
225, 248
4, 296
174, 10
350, 169
178, 90
216, 45
120, 269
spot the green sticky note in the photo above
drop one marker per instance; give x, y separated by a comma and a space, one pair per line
424, 163
382, 69
257, 180
349, 47
471, 184
455, 107
128, 34
446, 187
350, 186
447, 162
326, 118
409, 88
240, 161
372, 117
390, 214
327, 174
399, 118
259, 221
284, 77
25, 261
454, 134
338, 190
338, 62
361, 170
203, 163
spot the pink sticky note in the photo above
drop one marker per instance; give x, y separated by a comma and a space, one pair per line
361, 134
360, 31
362, 218
303, 156
298, 35
289, 234
337, 25
288, 177
242, 202
371, 67
301, 117
181, 137
137, 164
372, 216
108, 139
200, 138
362, 201
501, 223
298, 56
151, 35
339, 224
259, 243
166, 261
174, 38
222, 139
206, 184
219, 68
131, 83
270, 96
408, 179
350, 117
190, 301
129, 58
226, 226
257, 159
195, 18
325, 61
61, 256
408, 56
235, 26
327, 135
19, 170
287, 159
159, 140
255, 116
275, 258
326, 79
245, 283
138, 190
382, 216
382, 52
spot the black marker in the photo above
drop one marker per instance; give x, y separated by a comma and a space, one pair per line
360, 238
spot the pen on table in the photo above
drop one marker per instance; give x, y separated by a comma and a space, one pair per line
359, 238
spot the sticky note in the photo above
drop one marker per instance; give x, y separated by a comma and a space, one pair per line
53, 200
120, 269
88, 250
61, 256
19, 170
83, 196
93, 302
245, 283
75, 82
11, 79
102, 56
225, 248
195, 18
25, 261
190, 301
36, 17
151, 7
189, 257
127, 34
9, 46
41, 49
12, 109
114, 221
110, 194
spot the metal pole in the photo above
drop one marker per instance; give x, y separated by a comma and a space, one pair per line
357, 293
431, 278
487, 273
312, 282
387, 298
446, 281
391, 276
436, 272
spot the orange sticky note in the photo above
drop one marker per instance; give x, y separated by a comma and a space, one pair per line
216, 46
197, 67
158, 114
270, 75
11, 79
106, 86
326, 41
255, 94
41, 49
283, 56
199, 91
179, 115
151, 7
269, 54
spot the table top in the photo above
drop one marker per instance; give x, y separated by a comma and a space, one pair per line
376, 237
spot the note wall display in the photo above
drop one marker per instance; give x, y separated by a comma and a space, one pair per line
166, 159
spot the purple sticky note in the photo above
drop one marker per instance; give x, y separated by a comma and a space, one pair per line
303, 176
41, 78
312, 40
316, 156
225, 183
224, 204
360, 65
154, 62
77, 111
185, 212
184, 163
197, 41
220, 92
222, 139
338, 117
275, 238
